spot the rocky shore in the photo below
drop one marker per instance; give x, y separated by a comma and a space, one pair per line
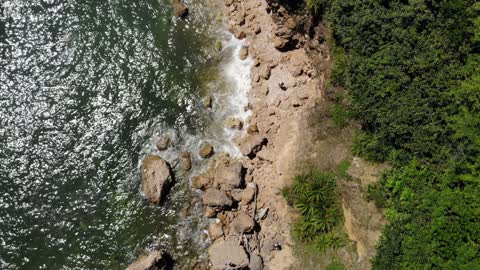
250, 222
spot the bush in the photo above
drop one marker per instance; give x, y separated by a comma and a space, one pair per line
340, 115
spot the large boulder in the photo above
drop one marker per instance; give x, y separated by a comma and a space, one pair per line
228, 175
243, 223
227, 254
216, 199
180, 9
155, 260
156, 178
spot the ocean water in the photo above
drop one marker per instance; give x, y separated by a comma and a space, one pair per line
86, 89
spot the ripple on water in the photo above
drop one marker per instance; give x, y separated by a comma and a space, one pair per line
84, 87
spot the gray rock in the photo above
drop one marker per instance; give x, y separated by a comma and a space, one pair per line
227, 254
155, 260
156, 178
256, 262
243, 223
216, 199
163, 143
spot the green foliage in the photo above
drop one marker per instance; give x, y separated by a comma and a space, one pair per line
316, 6
413, 71
315, 198
343, 168
335, 265
340, 115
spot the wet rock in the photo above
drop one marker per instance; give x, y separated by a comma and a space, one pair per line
251, 145
179, 8
228, 175
156, 178
186, 161
243, 223
216, 199
218, 45
206, 150
155, 260
243, 53
227, 254
207, 102
202, 181
256, 262
215, 230
233, 123
163, 143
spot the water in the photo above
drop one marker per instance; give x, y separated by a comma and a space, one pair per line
86, 88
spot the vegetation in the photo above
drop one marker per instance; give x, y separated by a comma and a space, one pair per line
412, 69
314, 196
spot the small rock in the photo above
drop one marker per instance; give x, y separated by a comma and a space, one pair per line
206, 150
234, 123
265, 72
257, 30
216, 199
215, 230
256, 78
227, 254
247, 195
202, 181
186, 161
180, 9
228, 2
262, 214
207, 102
252, 129
209, 212
256, 262
163, 143
297, 72
156, 178
251, 145
218, 45
155, 260
243, 223
243, 53
240, 34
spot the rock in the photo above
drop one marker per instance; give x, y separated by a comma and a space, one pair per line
209, 212
256, 262
180, 9
247, 195
236, 194
250, 145
207, 102
265, 72
228, 175
206, 150
202, 181
256, 78
233, 123
297, 72
163, 143
216, 199
239, 34
186, 160
243, 53
156, 178
227, 254
252, 129
262, 214
257, 30
218, 45
215, 230
228, 2
243, 223
155, 260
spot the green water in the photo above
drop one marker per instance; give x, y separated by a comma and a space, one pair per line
85, 86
